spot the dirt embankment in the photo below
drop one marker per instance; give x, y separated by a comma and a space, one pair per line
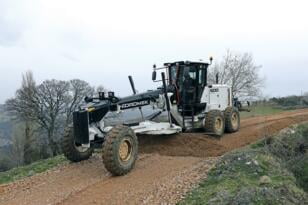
202, 145
272, 171
167, 168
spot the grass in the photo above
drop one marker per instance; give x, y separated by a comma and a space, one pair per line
31, 169
261, 110
235, 180
301, 173
238, 177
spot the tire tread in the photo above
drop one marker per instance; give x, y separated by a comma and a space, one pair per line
70, 151
109, 159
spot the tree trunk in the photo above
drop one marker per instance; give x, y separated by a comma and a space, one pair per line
27, 145
52, 144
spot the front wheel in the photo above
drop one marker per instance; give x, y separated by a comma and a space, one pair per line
214, 123
73, 151
120, 150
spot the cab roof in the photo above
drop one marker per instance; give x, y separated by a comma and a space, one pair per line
186, 63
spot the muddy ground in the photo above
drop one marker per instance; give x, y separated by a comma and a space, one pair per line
167, 168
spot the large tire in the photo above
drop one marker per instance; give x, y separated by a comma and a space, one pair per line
232, 119
120, 150
214, 123
71, 150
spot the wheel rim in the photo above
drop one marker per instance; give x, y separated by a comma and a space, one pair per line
234, 120
218, 124
125, 150
80, 148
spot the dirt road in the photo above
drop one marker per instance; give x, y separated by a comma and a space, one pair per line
167, 168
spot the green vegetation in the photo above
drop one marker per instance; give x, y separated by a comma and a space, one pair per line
272, 171
3, 117
261, 110
291, 102
31, 169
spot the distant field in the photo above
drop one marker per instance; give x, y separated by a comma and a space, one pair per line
261, 110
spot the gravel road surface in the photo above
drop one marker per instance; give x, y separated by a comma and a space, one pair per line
167, 168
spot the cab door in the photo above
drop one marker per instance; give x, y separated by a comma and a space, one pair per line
188, 85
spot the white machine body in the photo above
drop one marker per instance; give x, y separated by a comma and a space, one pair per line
217, 97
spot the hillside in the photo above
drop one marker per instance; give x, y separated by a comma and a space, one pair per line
5, 128
272, 171
5, 135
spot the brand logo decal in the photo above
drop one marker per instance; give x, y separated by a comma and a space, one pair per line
213, 90
134, 104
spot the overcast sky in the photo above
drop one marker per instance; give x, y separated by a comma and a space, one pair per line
102, 42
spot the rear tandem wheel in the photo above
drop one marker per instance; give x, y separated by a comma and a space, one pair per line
232, 119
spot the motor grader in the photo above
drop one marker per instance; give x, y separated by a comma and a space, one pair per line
184, 95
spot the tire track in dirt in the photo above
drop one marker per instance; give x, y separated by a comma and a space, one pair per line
148, 183
167, 168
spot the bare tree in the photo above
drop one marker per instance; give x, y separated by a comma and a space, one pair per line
101, 88
43, 105
21, 108
240, 72
78, 89
305, 98
18, 151
50, 104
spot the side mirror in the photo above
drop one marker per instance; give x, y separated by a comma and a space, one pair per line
154, 75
